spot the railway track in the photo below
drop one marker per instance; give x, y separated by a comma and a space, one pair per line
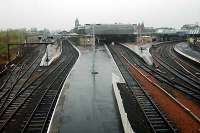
186, 67
157, 119
12, 88
16, 69
161, 75
167, 54
31, 108
44, 108
133, 110
165, 57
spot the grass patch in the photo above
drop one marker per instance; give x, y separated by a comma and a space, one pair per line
11, 36
3, 48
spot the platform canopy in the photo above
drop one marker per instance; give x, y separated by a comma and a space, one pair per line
110, 29
166, 31
195, 31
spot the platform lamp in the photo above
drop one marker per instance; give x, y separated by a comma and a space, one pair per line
49, 37
8, 52
47, 59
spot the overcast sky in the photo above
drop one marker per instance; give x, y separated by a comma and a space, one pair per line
61, 14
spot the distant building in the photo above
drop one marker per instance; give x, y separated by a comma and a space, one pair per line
144, 31
168, 31
105, 33
140, 27
64, 32
109, 29
33, 30
81, 30
168, 34
189, 26
149, 30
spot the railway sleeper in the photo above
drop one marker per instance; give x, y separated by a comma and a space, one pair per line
37, 121
10, 110
138, 92
38, 114
150, 111
33, 130
155, 119
38, 117
146, 104
152, 115
35, 126
142, 98
45, 103
157, 122
148, 108
159, 126
42, 110
162, 130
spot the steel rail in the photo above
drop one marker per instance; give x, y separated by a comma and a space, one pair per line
135, 59
149, 108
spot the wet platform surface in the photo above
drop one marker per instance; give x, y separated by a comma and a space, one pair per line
186, 50
87, 103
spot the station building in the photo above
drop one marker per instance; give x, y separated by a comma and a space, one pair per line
106, 32
168, 34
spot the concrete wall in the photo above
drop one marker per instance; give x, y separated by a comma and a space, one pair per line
144, 39
87, 40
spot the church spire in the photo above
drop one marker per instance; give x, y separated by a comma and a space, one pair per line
76, 23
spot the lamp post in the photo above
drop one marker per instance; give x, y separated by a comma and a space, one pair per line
47, 59
93, 62
94, 54
93, 34
8, 48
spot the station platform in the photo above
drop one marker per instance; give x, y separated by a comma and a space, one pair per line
53, 51
142, 51
185, 50
87, 103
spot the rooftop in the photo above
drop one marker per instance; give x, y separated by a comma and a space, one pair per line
194, 31
109, 28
